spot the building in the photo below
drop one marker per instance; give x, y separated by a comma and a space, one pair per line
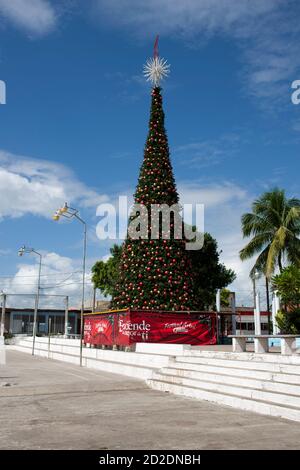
102, 305
20, 320
244, 317
245, 321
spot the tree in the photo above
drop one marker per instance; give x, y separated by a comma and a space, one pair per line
209, 273
225, 297
274, 225
288, 286
105, 273
155, 273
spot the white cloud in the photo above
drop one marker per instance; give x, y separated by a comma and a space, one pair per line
266, 31
4, 252
33, 16
212, 196
224, 205
296, 126
60, 276
205, 153
185, 18
39, 187
106, 257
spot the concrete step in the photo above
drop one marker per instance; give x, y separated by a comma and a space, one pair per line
237, 372
238, 364
63, 346
245, 356
233, 390
257, 406
139, 371
267, 385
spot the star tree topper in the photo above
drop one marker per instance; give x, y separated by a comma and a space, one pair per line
156, 68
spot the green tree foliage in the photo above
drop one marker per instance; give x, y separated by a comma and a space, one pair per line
209, 273
274, 225
105, 273
225, 297
155, 274
288, 322
288, 286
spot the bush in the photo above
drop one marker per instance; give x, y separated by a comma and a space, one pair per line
287, 283
288, 322
8, 335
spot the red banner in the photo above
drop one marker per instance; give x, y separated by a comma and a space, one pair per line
98, 330
125, 328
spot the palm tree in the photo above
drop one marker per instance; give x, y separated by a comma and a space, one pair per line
274, 224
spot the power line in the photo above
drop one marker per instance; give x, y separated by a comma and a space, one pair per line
87, 282
42, 275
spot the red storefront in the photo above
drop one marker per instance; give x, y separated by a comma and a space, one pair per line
126, 327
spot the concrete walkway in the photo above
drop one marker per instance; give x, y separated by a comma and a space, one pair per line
53, 405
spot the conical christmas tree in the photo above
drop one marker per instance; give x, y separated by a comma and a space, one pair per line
155, 274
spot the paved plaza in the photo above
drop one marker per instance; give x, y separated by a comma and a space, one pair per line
48, 404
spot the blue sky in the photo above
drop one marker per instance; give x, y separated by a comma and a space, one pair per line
75, 121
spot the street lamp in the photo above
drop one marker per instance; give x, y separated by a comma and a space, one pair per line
22, 252
268, 305
255, 276
70, 213
2, 322
256, 313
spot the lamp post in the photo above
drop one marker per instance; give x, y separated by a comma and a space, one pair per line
3, 305
21, 252
255, 276
70, 213
268, 305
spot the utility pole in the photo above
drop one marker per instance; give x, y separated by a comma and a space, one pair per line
94, 300
257, 322
254, 291
66, 315
218, 300
268, 305
21, 252
70, 213
2, 327
233, 310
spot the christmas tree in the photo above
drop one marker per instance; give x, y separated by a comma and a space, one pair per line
155, 274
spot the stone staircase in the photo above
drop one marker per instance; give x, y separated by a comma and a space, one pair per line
138, 365
263, 383
268, 384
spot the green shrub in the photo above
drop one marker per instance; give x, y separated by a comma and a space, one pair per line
288, 322
8, 335
287, 283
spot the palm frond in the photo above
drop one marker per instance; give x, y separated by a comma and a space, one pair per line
274, 224
255, 245
293, 215
253, 224
260, 263
276, 248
